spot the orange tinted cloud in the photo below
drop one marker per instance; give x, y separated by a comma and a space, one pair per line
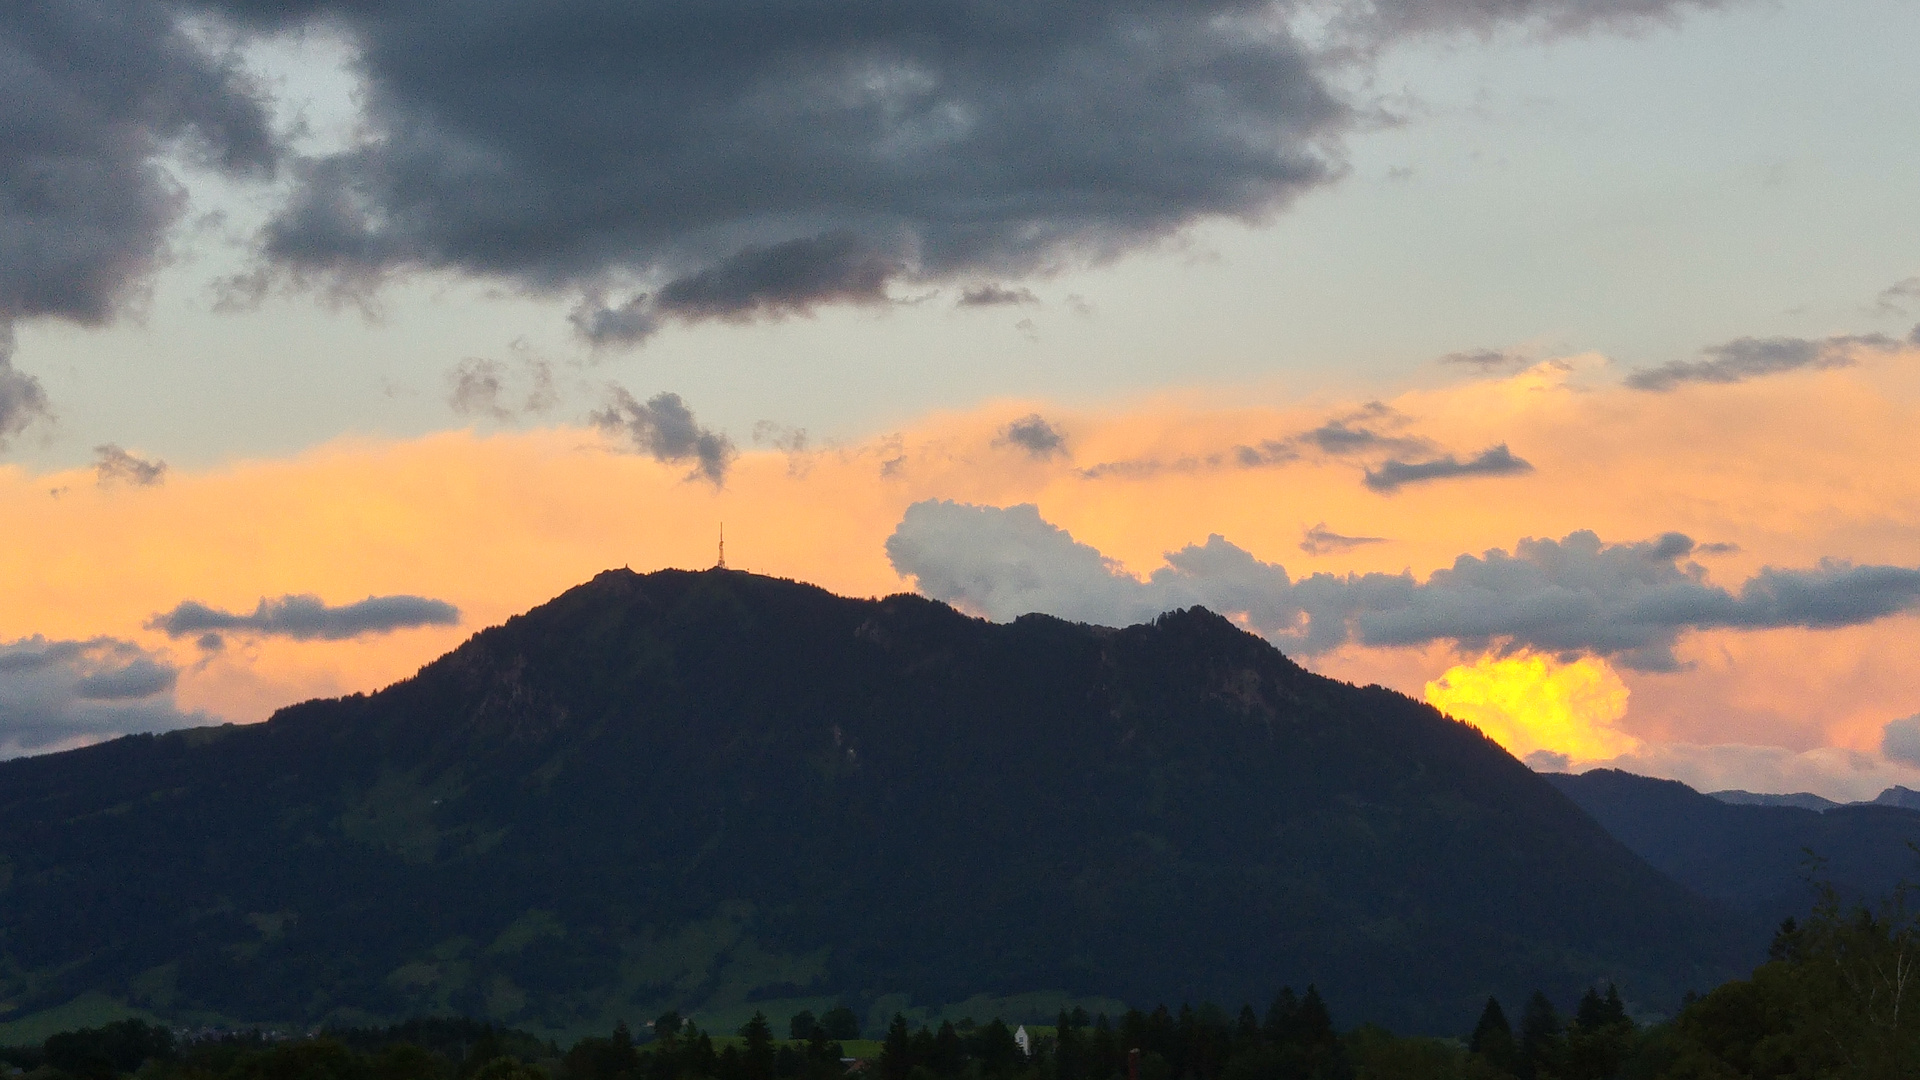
1786, 470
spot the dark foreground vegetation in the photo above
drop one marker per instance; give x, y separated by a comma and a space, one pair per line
1832, 1003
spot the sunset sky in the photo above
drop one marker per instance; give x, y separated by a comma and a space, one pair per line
1555, 361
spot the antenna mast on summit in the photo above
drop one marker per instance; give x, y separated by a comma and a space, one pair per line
722, 564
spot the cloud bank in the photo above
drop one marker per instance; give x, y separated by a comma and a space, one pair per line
306, 618
59, 694
1628, 602
690, 161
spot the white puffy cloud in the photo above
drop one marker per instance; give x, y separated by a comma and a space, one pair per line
1629, 602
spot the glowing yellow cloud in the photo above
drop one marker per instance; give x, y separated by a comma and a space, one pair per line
1532, 702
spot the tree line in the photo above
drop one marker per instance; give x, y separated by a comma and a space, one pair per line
1836, 1000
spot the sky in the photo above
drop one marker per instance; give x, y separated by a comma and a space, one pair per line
1554, 361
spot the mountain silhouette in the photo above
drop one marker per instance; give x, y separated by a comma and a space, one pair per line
1759, 858
721, 792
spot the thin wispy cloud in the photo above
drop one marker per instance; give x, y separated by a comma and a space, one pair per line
1751, 358
1321, 540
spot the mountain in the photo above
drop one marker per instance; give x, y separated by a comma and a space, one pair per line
1752, 856
719, 792
1896, 795
1805, 800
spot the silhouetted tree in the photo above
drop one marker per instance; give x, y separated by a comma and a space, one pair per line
1493, 1037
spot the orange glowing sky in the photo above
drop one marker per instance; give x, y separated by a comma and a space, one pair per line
497, 523
1459, 319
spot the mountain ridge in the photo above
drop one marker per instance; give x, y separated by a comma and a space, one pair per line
714, 791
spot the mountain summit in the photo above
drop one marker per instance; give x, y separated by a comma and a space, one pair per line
717, 792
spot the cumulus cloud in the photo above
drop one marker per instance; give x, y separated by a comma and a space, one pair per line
22, 399
1321, 540
59, 694
1629, 602
1900, 740
1032, 434
478, 387
113, 464
664, 428
1749, 358
305, 618
994, 294
1393, 475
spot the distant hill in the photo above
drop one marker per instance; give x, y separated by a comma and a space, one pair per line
1896, 795
720, 792
1752, 856
1805, 800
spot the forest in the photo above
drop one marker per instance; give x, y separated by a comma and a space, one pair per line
1829, 1002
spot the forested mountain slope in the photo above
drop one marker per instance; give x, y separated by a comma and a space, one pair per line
718, 792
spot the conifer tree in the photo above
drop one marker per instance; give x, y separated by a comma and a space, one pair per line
1280, 1017
1493, 1036
896, 1052
757, 1055
1540, 1037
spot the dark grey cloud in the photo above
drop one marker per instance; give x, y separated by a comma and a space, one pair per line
1393, 475
1321, 540
686, 161
1032, 434
307, 618
93, 97
1749, 358
23, 402
756, 158
58, 694
1630, 602
1900, 740
665, 429
113, 465
994, 294
478, 387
